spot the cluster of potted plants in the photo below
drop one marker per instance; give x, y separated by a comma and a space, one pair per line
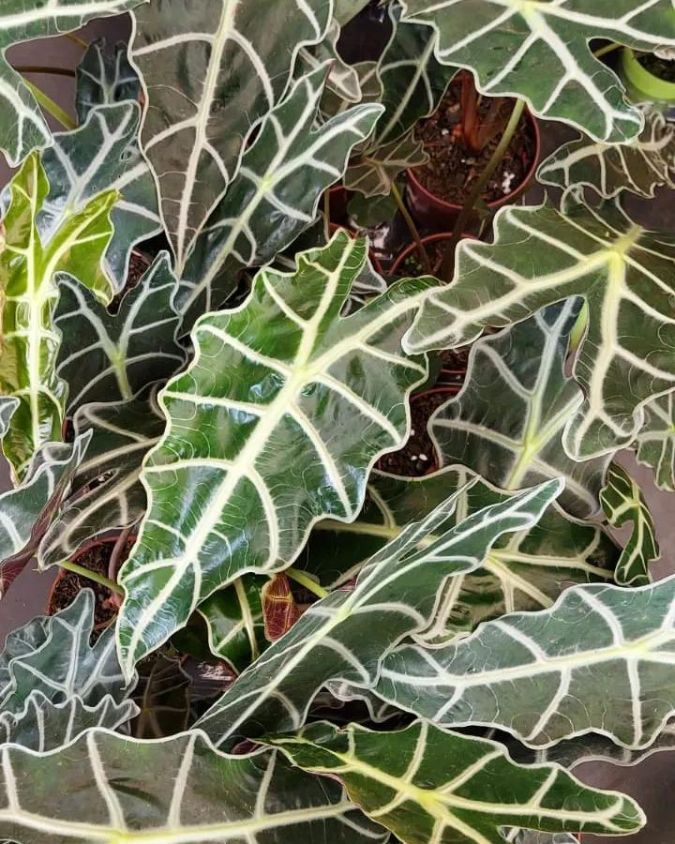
319, 425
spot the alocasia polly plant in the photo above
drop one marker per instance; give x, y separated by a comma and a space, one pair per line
202, 388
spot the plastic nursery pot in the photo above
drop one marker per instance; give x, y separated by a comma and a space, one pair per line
641, 83
436, 214
411, 250
374, 260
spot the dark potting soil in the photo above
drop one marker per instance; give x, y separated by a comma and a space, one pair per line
418, 456
453, 167
454, 363
663, 68
70, 584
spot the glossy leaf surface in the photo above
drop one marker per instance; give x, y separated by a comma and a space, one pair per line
27, 510
97, 789
507, 422
541, 51
432, 787
276, 194
600, 660
522, 571
211, 72
623, 501
28, 265
101, 156
346, 635
235, 623
22, 126
106, 492
625, 273
108, 357
52, 655
274, 425
639, 167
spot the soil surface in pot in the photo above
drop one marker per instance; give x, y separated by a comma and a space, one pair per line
663, 68
453, 167
70, 584
418, 457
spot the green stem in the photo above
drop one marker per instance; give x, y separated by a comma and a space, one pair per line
305, 580
50, 71
79, 41
412, 228
92, 575
479, 187
608, 48
50, 106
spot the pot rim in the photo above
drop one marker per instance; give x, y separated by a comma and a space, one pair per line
644, 80
430, 238
453, 208
87, 546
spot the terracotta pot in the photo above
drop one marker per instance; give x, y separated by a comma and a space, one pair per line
50, 608
374, 260
438, 215
411, 248
63, 573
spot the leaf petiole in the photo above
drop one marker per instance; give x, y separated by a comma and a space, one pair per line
398, 199
51, 107
305, 580
92, 575
478, 188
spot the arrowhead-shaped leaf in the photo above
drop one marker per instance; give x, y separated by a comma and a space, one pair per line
271, 384
411, 83
22, 126
541, 51
623, 501
655, 441
105, 493
99, 788
211, 72
28, 265
103, 155
346, 635
627, 276
522, 571
52, 655
601, 660
639, 167
104, 77
108, 357
343, 78
432, 787
27, 510
276, 194
373, 171
507, 423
